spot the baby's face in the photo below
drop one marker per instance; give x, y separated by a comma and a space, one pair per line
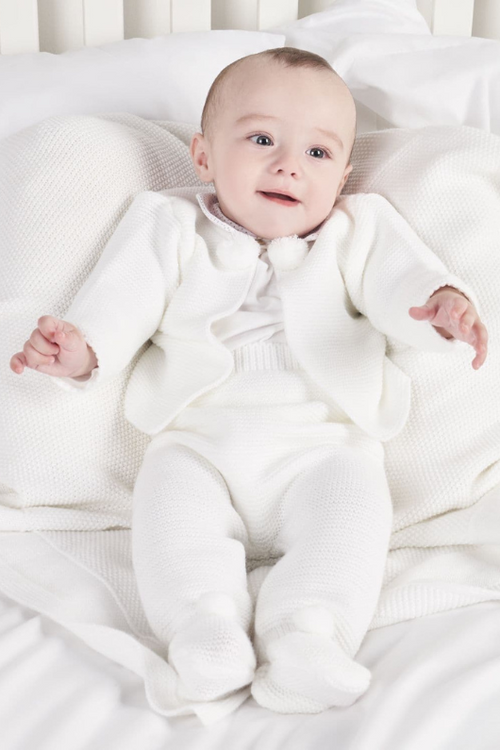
281, 129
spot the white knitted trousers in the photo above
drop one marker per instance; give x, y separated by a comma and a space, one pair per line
262, 514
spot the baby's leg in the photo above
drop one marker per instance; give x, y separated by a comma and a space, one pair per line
189, 559
316, 604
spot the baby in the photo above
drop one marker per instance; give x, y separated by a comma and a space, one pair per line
266, 389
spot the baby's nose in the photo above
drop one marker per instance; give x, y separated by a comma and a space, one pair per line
293, 171
288, 164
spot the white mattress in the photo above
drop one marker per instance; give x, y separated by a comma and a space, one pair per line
435, 686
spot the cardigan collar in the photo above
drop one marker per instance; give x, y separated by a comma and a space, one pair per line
242, 248
209, 204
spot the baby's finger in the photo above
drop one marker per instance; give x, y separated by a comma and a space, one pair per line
18, 363
51, 326
480, 344
48, 324
59, 332
421, 313
456, 307
467, 321
42, 344
68, 340
35, 359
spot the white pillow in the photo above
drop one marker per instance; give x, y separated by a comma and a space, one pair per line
165, 78
346, 18
399, 73
64, 185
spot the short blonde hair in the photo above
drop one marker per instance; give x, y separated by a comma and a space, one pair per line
289, 57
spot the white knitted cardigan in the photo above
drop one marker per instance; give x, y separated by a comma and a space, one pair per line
67, 466
169, 273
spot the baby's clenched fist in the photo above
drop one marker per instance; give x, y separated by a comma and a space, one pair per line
56, 348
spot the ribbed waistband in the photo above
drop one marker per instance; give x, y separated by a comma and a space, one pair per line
265, 355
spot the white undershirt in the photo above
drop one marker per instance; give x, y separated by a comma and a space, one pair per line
260, 317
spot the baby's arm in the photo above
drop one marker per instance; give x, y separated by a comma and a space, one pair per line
120, 305
387, 269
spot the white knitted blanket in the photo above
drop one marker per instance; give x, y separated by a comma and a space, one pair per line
67, 466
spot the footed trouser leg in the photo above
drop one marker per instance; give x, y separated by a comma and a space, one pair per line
316, 604
189, 559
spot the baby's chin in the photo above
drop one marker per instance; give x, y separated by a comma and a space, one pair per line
285, 231
282, 226
273, 230
273, 225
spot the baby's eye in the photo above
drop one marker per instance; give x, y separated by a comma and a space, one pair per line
259, 135
321, 151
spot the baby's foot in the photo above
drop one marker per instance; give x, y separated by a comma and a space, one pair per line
308, 673
213, 656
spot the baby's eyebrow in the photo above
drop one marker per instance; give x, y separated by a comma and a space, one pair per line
255, 117
327, 133
333, 136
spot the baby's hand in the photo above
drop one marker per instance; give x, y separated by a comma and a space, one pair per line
448, 310
54, 348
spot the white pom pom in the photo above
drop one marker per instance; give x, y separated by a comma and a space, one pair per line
217, 603
315, 620
287, 253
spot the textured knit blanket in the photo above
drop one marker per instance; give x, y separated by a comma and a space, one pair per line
67, 466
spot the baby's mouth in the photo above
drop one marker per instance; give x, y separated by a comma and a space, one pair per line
279, 198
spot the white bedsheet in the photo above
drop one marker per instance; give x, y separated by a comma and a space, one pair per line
436, 686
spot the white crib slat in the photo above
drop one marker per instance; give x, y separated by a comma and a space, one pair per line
146, 19
61, 25
308, 7
191, 15
486, 19
276, 12
453, 17
252, 15
234, 14
103, 21
18, 26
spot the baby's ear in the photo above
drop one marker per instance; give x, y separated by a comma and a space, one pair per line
344, 179
200, 157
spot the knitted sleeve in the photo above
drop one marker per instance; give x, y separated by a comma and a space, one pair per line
388, 269
121, 303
